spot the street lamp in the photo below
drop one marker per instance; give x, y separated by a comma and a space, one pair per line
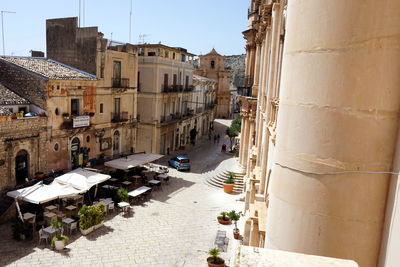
2, 28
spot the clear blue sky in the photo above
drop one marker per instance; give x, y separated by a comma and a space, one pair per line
198, 25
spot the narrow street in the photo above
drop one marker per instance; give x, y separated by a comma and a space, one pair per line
175, 228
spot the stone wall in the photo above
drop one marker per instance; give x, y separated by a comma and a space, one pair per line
24, 83
17, 135
71, 45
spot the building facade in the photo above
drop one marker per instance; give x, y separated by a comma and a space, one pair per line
115, 67
319, 138
212, 66
165, 82
66, 96
23, 139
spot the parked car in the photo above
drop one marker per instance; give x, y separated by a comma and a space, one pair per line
180, 163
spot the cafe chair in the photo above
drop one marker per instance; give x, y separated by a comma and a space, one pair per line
43, 235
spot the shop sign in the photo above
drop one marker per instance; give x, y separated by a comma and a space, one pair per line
105, 143
81, 121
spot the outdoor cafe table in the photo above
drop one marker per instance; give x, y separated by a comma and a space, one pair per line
50, 230
139, 191
162, 176
68, 220
124, 206
51, 208
111, 187
28, 216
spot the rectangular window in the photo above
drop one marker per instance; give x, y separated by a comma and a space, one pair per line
165, 80
187, 82
117, 105
174, 80
138, 80
117, 74
75, 107
101, 108
151, 54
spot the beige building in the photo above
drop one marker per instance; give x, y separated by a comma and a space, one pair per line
115, 67
319, 138
23, 138
165, 113
212, 65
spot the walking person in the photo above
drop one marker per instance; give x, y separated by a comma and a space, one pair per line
218, 137
215, 138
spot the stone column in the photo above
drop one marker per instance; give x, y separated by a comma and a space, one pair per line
264, 159
241, 140
257, 59
245, 142
338, 118
250, 145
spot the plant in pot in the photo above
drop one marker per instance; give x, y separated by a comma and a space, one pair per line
229, 183
122, 194
99, 215
39, 175
235, 217
223, 218
59, 240
86, 221
18, 229
214, 260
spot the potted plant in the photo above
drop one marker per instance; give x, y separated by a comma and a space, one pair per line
39, 175
229, 183
214, 260
59, 240
86, 224
99, 214
66, 116
122, 194
223, 218
235, 217
18, 229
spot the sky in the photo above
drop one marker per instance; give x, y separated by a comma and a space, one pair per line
197, 25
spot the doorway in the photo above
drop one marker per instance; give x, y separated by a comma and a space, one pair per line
75, 151
116, 144
21, 166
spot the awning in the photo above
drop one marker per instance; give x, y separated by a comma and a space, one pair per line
132, 161
69, 184
82, 179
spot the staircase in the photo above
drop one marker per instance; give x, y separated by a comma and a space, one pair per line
217, 177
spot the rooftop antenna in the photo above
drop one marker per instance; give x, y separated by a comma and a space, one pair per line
130, 23
83, 13
2, 28
141, 38
79, 16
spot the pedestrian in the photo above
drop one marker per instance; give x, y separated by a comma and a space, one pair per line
223, 149
215, 138
209, 135
218, 137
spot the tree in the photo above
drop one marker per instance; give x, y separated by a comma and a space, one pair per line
234, 130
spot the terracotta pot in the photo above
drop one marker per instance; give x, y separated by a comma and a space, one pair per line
39, 176
223, 222
228, 188
215, 265
236, 233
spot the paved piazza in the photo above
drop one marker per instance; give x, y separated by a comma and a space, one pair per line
175, 228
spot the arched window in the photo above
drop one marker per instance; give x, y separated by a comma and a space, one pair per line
212, 64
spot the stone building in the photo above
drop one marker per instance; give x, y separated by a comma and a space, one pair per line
320, 138
165, 83
67, 97
212, 65
203, 102
115, 67
23, 139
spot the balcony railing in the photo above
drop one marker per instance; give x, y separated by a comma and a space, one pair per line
171, 88
170, 117
199, 110
119, 116
189, 88
120, 82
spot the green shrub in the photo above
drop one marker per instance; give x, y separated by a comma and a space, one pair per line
122, 194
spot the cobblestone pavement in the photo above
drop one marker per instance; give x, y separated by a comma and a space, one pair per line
175, 228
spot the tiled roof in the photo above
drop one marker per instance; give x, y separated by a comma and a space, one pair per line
49, 68
4, 111
8, 97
